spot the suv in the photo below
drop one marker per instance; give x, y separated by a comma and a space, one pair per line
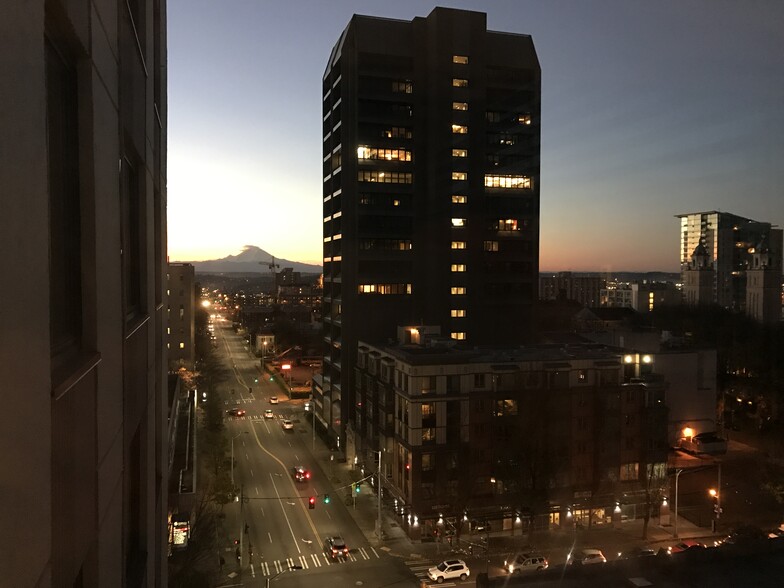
448, 570
586, 557
300, 474
525, 562
335, 547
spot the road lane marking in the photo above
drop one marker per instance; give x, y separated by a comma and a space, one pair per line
270, 536
284, 514
256, 488
374, 551
252, 571
251, 472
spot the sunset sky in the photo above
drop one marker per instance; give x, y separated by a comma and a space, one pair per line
649, 109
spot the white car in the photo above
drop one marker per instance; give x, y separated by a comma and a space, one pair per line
268, 414
273, 399
586, 557
526, 562
287, 425
449, 570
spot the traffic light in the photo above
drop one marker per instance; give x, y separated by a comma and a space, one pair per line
326, 499
356, 488
312, 502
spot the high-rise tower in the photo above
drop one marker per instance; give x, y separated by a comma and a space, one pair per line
431, 188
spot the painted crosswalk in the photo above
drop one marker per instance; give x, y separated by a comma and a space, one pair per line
315, 560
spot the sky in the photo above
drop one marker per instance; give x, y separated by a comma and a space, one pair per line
649, 109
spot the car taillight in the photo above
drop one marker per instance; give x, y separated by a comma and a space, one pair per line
307, 475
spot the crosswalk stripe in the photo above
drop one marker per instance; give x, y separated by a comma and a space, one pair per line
303, 561
373, 549
351, 556
316, 560
278, 567
265, 568
290, 562
364, 553
326, 559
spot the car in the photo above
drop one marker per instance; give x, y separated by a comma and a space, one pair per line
335, 547
307, 407
742, 535
449, 570
300, 474
236, 412
480, 526
685, 545
287, 425
636, 552
586, 557
273, 399
525, 562
268, 414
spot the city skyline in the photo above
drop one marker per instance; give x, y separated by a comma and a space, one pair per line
647, 112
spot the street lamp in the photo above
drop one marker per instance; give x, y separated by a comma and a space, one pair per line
677, 474
290, 569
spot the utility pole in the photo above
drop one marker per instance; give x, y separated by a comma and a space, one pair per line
242, 522
378, 523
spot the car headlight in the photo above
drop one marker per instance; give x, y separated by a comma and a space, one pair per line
511, 569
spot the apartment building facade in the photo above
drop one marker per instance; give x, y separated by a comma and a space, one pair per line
181, 324
431, 189
563, 285
83, 234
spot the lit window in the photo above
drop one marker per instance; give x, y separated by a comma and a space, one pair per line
459, 336
493, 181
459, 129
365, 152
395, 202
457, 312
385, 177
491, 245
458, 244
508, 224
459, 105
461, 59
459, 82
457, 290
524, 119
459, 152
458, 222
459, 199
182, 345
405, 86
384, 289
458, 267
459, 176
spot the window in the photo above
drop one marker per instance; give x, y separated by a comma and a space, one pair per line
502, 139
458, 222
428, 409
458, 336
458, 312
429, 435
461, 59
131, 198
582, 375
505, 407
493, 116
479, 380
507, 181
491, 245
629, 472
507, 224
459, 152
458, 267
384, 288
65, 222
428, 463
459, 105
459, 199
459, 82
182, 345
459, 176
458, 244
524, 119
397, 133
459, 129
365, 152
404, 86
385, 177
457, 290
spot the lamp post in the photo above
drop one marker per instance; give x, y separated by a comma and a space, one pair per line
263, 353
290, 569
378, 523
677, 474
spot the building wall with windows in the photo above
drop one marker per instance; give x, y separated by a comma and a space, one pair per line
563, 285
647, 296
83, 463
537, 431
431, 188
180, 287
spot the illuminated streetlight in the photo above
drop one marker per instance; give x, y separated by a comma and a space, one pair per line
205, 303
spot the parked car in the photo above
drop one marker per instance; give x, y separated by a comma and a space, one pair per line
709, 443
480, 526
526, 562
273, 399
636, 552
268, 414
586, 557
449, 570
742, 535
300, 474
685, 545
335, 547
287, 425
235, 412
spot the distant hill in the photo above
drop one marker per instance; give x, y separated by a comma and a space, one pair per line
252, 260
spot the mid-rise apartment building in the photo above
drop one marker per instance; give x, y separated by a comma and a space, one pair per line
83, 462
544, 432
431, 188
563, 285
181, 289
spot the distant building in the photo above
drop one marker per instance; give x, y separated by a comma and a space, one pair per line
431, 143
547, 433
647, 296
728, 245
564, 286
181, 326
699, 278
616, 295
83, 463
763, 281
